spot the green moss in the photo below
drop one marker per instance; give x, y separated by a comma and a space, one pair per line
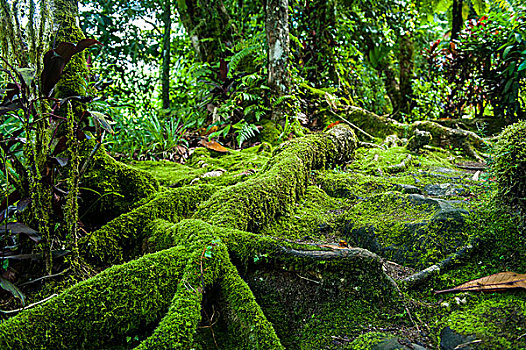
509, 166
110, 188
252, 204
309, 218
497, 321
368, 340
233, 167
120, 301
122, 237
270, 132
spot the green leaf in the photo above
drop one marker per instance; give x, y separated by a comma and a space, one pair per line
522, 66
479, 6
11, 288
102, 120
507, 51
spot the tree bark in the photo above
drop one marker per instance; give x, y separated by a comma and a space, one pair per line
165, 78
277, 29
209, 26
457, 20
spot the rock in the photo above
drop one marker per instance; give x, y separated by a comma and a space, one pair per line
451, 340
445, 189
396, 344
409, 189
419, 140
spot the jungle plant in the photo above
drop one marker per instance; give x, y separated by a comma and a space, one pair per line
41, 158
486, 67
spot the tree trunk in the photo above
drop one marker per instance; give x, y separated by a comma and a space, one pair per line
406, 73
165, 78
457, 20
208, 25
277, 28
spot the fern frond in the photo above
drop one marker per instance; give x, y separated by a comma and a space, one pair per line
239, 56
246, 132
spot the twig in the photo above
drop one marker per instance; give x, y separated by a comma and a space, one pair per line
308, 279
462, 346
44, 277
352, 125
29, 306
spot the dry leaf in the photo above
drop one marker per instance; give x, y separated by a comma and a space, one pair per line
497, 282
214, 146
205, 131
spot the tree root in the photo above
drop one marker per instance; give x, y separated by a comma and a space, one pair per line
382, 126
185, 257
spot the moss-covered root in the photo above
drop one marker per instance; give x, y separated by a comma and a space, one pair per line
257, 332
122, 238
249, 205
111, 187
382, 126
176, 330
102, 310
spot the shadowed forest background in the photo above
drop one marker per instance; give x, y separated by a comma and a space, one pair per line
199, 174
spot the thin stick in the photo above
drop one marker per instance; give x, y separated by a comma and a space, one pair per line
308, 279
44, 277
29, 306
352, 125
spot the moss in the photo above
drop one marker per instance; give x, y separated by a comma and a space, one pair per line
236, 166
310, 218
252, 204
119, 301
122, 237
110, 188
497, 322
270, 132
509, 166
368, 340
256, 331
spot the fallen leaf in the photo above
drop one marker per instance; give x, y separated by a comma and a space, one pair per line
207, 131
332, 125
214, 146
493, 283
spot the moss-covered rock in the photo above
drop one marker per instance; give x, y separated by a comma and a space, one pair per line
509, 166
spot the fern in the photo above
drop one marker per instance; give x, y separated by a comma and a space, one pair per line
246, 131
239, 56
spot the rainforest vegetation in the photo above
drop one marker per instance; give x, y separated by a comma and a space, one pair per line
270, 174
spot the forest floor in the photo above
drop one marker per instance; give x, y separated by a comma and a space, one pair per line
388, 229
417, 211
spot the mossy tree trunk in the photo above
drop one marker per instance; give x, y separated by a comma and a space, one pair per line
209, 26
277, 29
186, 260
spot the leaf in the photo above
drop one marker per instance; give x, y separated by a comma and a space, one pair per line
56, 59
53, 67
61, 161
101, 119
332, 125
522, 66
214, 146
18, 227
11, 288
498, 282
